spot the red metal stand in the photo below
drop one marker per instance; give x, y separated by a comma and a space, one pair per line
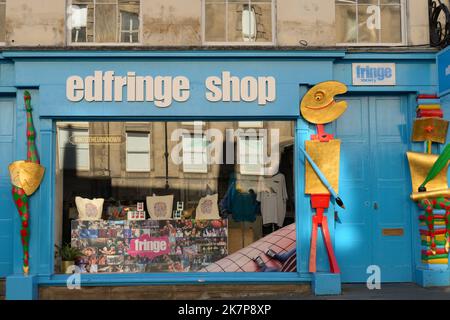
320, 202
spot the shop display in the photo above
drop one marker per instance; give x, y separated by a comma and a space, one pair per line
26, 176
89, 209
319, 107
275, 252
272, 194
429, 184
177, 214
207, 208
160, 207
138, 214
150, 245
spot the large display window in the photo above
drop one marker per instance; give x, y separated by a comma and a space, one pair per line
191, 196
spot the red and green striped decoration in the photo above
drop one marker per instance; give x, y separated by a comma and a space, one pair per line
19, 196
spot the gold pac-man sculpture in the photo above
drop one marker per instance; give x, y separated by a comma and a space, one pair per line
318, 106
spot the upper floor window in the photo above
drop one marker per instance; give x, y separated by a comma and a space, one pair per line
195, 156
238, 21
2, 20
370, 22
104, 21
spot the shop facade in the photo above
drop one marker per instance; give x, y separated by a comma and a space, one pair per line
378, 229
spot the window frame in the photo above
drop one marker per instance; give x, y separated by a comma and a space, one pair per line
82, 44
149, 151
239, 43
204, 170
403, 31
75, 127
241, 165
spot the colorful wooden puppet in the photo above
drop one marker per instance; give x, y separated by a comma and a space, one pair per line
430, 186
26, 177
322, 169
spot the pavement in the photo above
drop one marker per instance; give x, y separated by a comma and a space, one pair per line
388, 291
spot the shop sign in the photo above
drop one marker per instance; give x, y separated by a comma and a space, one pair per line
374, 74
163, 90
443, 61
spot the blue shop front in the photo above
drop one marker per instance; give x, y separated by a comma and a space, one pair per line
173, 167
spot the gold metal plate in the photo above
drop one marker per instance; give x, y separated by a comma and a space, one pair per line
326, 155
419, 165
26, 175
394, 232
430, 129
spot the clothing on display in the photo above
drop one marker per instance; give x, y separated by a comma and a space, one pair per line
207, 208
272, 194
241, 205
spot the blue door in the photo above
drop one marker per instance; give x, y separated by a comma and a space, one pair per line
7, 138
375, 228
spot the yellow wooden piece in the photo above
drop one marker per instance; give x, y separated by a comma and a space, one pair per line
318, 105
438, 237
435, 261
326, 155
429, 107
419, 165
430, 129
26, 175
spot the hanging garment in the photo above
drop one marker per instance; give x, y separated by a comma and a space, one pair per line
241, 205
207, 208
272, 194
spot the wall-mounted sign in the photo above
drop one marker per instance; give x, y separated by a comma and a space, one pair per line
374, 74
443, 61
163, 90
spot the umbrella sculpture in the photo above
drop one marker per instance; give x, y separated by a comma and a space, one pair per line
26, 177
440, 164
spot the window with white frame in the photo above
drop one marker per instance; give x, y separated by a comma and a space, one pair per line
195, 157
73, 150
138, 152
251, 154
238, 21
104, 21
369, 22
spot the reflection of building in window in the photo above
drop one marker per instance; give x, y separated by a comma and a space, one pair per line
73, 156
238, 20
368, 22
195, 158
251, 154
104, 21
138, 152
2, 20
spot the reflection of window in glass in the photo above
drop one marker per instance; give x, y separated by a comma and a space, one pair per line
238, 20
369, 21
104, 21
195, 157
251, 154
138, 152
73, 156
2, 20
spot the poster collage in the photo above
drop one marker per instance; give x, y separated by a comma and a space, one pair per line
149, 245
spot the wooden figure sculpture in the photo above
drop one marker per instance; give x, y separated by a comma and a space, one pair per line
26, 177
323, 153
429, 183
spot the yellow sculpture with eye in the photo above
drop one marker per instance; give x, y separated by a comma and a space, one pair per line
318, 106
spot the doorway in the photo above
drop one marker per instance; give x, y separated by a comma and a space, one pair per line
375, 228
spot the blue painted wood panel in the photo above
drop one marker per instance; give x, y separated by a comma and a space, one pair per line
374, 185
7, 139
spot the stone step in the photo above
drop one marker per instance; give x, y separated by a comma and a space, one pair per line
173, 292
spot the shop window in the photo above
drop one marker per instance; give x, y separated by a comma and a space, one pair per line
104, 21
138, 152
2, 20
73, 150
217, 220
195, 153
369, 22
251, 154
238, 21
